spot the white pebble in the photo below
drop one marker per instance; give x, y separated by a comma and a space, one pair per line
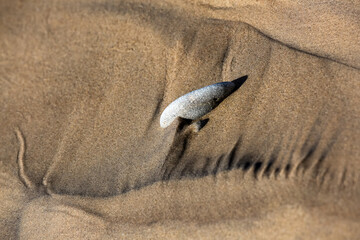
196, 104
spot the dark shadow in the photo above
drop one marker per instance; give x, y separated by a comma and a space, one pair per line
199, 124
257, 167
182, 123
203, 122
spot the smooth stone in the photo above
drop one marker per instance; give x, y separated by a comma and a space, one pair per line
197, 103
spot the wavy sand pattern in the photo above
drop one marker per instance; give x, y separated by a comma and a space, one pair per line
83, 85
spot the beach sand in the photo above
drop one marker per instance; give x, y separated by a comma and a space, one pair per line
82, 88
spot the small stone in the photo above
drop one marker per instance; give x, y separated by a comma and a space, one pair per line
197, 103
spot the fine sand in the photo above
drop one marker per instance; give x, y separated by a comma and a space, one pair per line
83, 85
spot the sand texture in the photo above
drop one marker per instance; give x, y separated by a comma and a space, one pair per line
82, 87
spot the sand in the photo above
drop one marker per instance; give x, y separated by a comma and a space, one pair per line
83, 85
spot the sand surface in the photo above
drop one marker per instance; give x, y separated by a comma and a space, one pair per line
83, 85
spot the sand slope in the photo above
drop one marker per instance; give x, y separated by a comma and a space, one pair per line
83, 84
